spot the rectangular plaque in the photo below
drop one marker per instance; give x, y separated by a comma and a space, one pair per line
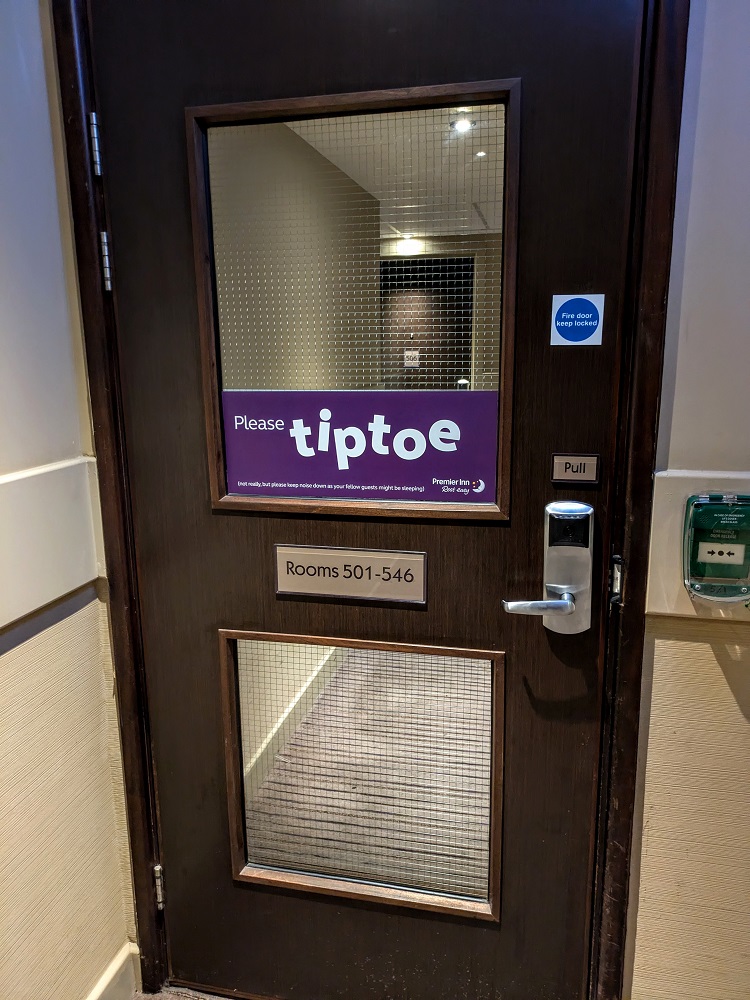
575, 469
357, 574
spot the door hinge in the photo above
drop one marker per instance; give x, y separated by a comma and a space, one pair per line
96, 150
106, 262
159, 887
615, 580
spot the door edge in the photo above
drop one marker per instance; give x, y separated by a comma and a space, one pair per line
660, 88
75, 78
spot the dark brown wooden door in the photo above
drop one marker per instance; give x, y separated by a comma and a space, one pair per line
201, 570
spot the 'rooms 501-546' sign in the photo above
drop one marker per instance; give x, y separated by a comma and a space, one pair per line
381, 445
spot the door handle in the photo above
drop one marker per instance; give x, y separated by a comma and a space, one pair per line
568, 563
564, 605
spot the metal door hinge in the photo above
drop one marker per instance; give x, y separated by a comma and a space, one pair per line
615, 580
96, 151
106, 263
159, 887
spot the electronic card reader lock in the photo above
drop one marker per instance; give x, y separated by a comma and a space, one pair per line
568, 562
716, 547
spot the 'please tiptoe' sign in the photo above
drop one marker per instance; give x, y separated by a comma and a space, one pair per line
381, 445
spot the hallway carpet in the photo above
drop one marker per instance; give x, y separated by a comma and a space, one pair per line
173, 993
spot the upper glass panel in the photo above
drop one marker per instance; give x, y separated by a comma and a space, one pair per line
339, 242
359, 253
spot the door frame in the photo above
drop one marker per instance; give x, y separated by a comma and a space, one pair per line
656, 147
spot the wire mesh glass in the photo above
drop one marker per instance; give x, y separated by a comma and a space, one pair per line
368, 765
360, 251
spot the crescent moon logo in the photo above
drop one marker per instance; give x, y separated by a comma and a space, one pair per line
479, 487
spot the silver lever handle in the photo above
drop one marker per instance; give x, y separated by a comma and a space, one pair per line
566, 605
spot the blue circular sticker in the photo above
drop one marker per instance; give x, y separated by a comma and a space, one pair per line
577, 320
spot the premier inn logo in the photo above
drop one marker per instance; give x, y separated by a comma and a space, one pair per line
351, 442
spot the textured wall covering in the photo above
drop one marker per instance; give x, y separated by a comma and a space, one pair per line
692, 887
65, 909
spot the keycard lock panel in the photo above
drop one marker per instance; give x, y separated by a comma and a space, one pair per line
716, 547
568, 563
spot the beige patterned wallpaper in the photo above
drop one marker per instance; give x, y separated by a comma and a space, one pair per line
66, 905
690, 882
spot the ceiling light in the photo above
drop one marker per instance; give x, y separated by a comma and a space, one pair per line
481, 153
462, 125
408, 246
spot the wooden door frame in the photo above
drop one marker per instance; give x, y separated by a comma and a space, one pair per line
658, 125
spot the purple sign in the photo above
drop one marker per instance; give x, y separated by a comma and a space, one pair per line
361, 445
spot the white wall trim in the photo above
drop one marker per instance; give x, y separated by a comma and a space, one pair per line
48, 535
40, 470
121, 978
666, 594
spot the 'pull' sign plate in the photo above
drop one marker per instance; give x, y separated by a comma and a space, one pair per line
582, 469
355, 574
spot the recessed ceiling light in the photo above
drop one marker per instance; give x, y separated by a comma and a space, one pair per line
462, 125
408, 246
481, 153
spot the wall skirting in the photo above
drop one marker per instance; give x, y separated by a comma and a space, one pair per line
121, 977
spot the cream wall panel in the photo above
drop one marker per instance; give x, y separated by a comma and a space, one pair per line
691, 891
50, 537
65, 219
705, 394
39, 398
64, 909
47, 539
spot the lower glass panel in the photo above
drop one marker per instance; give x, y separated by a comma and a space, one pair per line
368, 764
